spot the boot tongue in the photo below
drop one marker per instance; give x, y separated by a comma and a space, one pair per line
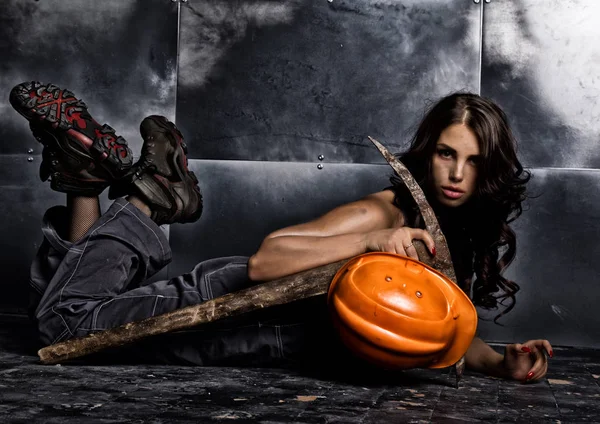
46, 167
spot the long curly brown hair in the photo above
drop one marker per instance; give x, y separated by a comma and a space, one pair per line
479, 230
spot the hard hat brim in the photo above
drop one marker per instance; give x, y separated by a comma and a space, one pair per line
397, 343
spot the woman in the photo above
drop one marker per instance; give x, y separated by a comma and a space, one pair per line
93, 273
463, 156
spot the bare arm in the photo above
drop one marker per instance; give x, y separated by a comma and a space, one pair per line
523, 362
482, 358
372, 223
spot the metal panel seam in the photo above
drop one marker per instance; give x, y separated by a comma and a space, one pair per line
177, 59
480, 65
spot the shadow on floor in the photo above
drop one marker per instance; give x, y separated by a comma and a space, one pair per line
99, 391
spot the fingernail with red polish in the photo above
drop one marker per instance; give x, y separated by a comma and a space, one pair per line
526, 349
433, 251
551, 354
529, 376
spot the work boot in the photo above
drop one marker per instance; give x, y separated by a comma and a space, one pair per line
161, 177
80, 156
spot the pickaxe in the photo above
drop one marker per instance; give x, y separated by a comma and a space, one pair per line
284, 290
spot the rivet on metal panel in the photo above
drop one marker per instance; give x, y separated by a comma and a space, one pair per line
174, 1
29, 159
488, 1
30, 151
184, 1
476, 1
320, 166
330, 1
321, 157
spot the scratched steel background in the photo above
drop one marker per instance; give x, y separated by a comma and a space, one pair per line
264, 88
290, 80
541, 63
119, 55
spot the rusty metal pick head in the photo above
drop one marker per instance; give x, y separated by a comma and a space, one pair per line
442, 261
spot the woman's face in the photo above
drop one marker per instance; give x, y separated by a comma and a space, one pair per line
454, 165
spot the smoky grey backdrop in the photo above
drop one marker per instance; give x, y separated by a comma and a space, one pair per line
276, 98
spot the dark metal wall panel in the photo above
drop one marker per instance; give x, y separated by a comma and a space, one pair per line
292, 80
118, 55
541, 61
557, 263
24, 200
244, 201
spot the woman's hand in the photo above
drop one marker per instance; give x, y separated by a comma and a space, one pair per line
398, 240
527, 362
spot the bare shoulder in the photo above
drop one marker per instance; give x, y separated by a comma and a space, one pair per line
384, 200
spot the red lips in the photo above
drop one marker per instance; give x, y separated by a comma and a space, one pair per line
452, 192
452, 188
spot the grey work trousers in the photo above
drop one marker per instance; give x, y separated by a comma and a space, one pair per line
103, 281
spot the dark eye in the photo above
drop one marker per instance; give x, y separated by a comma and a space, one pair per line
445, 153
475, 161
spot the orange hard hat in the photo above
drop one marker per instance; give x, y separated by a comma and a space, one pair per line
397, 312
